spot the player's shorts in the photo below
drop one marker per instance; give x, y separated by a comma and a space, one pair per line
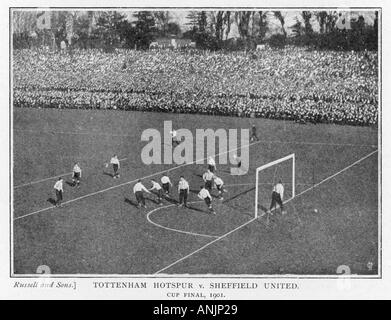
166, 187
219, 187
207, 201
208, 184
160, 193
276, 199
76, 175
276, 196
59, 195
115, 167
183, 193
139, 196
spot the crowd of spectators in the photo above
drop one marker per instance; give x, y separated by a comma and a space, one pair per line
291, 83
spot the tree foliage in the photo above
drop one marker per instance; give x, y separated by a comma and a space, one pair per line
209, 29
145, 29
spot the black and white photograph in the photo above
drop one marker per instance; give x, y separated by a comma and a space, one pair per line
194, 150
204, 141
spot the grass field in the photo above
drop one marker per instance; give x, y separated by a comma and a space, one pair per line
100, 231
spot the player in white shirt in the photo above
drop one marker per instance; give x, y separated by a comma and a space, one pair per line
58, 188
277, 197
156, 186
211, 164
166, 183
138, 190
76, 175
174, 137
115, 162
219, 183
183, 190
205, 195
238, 161
208, 179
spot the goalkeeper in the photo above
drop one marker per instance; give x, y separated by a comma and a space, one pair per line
277, 198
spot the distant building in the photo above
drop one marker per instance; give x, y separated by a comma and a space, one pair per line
171, 43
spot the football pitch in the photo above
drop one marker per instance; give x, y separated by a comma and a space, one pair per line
332, 221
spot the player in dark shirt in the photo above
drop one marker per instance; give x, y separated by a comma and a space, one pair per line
254, 134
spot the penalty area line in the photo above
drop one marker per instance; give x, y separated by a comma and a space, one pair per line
205, 246
133, 181
50, 178
250, 221
176, 230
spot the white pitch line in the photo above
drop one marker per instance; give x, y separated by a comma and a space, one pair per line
264, 141
50, 178
132, 181
188, 232
75, 133
337, 173
176, 230
260, 141
263, 183
205, 246
42, 180
250, 221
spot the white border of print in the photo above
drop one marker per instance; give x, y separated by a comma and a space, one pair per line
307, 287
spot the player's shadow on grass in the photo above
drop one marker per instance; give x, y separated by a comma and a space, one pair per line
238, 207
238, 195
70, 183
134, 204
264, 209
152, 200
214, 195
51, 201
170, 200
108, 174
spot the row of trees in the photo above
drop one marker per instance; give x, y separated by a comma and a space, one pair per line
100, 29
334, 31
209, 29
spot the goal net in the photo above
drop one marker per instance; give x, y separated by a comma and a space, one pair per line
269, 175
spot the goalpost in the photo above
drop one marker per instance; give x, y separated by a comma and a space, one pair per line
290, 170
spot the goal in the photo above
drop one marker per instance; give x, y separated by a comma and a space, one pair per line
268, 175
